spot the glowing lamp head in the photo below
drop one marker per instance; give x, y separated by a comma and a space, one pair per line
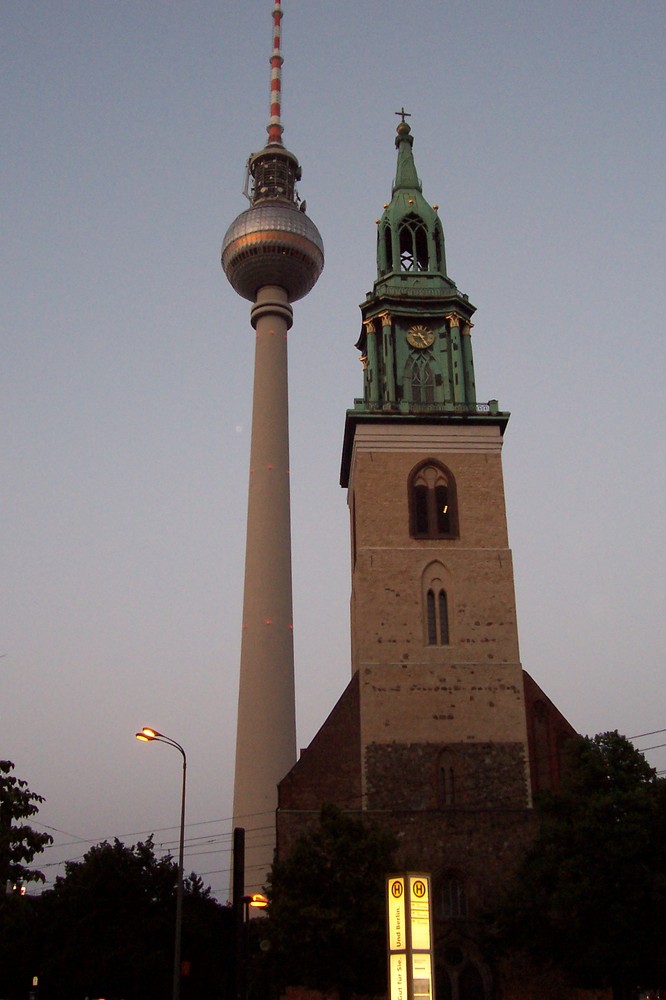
147, 734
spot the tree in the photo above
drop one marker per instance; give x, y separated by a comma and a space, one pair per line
19, 843
327, 924
107, 928
590, 895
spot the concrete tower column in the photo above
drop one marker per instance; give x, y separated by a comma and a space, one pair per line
266, 734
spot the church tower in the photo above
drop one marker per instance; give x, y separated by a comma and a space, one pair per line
440, 736
434, 634
272, 254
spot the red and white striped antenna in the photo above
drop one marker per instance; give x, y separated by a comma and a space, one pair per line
274, 128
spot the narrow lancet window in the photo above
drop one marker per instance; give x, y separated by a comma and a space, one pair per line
443, 618
439, 256
388, 250
446, 779
437, 616
432, 618
453, 897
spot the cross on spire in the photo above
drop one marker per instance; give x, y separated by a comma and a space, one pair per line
404, 114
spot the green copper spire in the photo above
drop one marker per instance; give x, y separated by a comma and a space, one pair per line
406, 176
416, 336
410, 234
415, 342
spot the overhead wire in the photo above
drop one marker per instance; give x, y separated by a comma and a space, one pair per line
655, 732
224, 838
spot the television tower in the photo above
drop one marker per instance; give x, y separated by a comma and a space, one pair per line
272, 254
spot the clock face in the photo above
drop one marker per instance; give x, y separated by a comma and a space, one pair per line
420, 337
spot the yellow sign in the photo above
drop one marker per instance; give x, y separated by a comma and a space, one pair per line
422, 976
409, 937
396, 914
420, 912
398, 973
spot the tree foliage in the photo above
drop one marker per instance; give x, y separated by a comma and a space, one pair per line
327, 917
590, 895
19, 843
107, 929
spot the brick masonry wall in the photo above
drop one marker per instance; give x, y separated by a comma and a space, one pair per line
330, 769
458, 776
455, 703
390, 567
548, 732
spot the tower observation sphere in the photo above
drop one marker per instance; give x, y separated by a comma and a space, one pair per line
273, 242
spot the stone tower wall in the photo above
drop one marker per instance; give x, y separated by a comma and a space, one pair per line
471, 689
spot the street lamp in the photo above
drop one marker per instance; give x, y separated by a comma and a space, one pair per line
259, 902
148, 735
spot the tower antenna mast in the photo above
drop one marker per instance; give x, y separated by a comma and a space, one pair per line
274, 127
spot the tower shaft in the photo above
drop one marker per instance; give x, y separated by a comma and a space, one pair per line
266, 733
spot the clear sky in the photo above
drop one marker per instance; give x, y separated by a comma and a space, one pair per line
127, 361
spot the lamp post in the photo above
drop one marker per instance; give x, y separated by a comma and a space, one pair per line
150, 736
257, 901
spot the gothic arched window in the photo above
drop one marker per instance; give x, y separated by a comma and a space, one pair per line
413, 241
439, 250
446, 778
437, 614
462, 973
460, 978
388, 250
421, 380
432, 502
453, 897
436, 589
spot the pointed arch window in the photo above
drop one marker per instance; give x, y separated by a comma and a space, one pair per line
421, 380
438, 617
413, 241
437, 585
439, 250
460, 977
432, 502
452, 900
388, 251
446, 779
